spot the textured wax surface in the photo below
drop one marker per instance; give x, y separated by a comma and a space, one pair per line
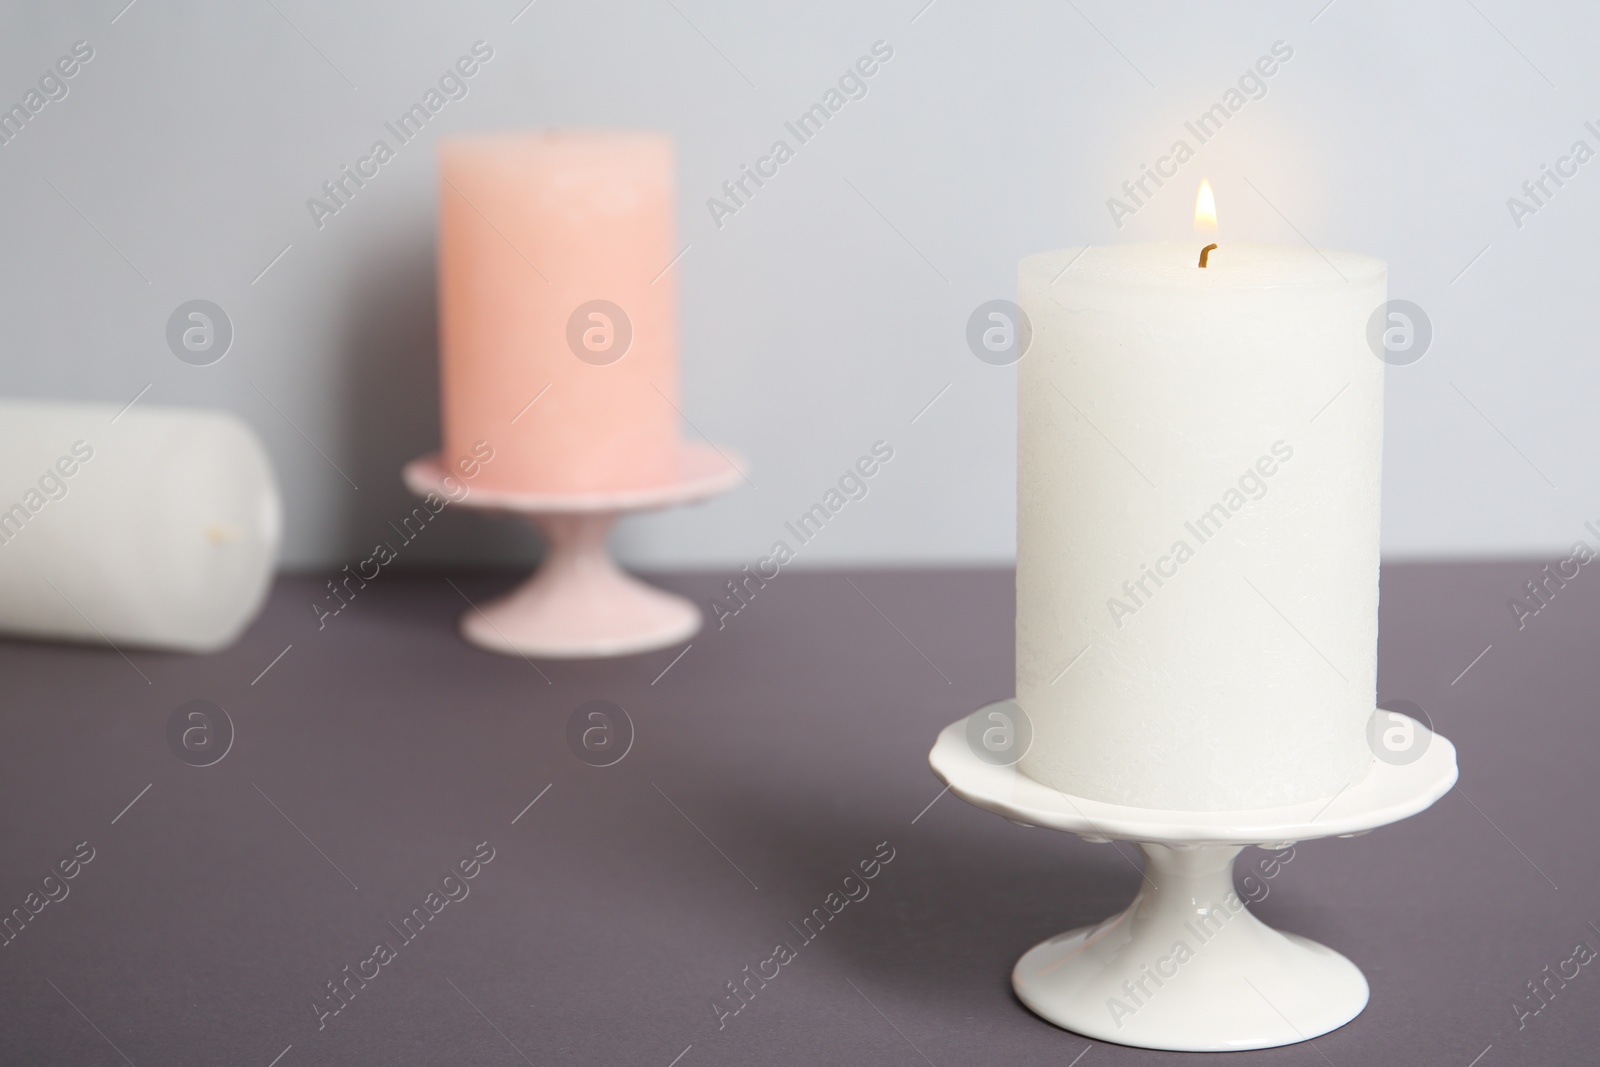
796, 740
533, 227
1176, 264
153, 526
1197, 525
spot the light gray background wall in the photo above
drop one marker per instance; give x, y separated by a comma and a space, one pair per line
829, 311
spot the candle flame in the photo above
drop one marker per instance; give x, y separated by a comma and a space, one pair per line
1205, 210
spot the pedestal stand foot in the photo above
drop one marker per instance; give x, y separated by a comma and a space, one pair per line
1188, 967
579, 603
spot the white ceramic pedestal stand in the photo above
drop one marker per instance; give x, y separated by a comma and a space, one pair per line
1241, 984
579, 603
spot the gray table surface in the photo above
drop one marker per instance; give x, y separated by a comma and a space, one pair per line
777, 753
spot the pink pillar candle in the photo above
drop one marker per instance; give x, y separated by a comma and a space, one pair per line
553, 284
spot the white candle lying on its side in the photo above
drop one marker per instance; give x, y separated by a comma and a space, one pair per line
159, 529
1197, 523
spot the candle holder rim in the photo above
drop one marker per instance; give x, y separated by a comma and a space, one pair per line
707, 470
1387, 793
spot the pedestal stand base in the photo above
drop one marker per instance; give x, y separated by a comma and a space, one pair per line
579, 603
1187, 967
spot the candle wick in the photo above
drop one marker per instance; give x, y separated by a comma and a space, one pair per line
1204, 252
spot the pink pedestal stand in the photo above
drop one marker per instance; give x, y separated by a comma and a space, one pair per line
579, 603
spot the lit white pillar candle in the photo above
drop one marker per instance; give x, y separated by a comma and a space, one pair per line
150, 527
1197, 523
